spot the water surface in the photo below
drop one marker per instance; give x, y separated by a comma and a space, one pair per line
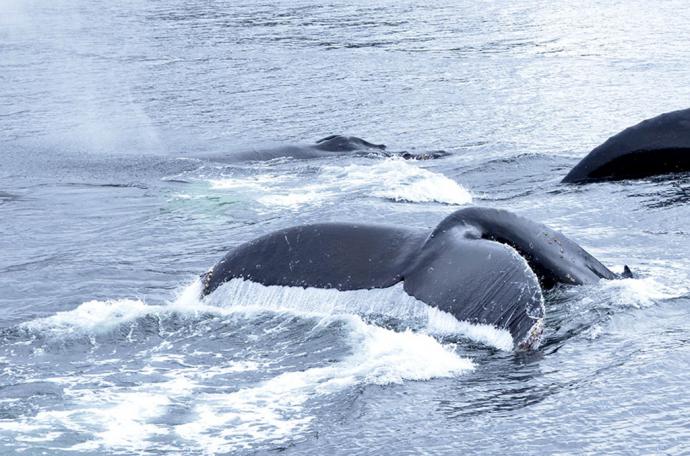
108, 215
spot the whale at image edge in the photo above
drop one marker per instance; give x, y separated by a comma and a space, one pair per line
481, 265
656, 146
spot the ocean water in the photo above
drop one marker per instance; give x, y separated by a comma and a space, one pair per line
109, 212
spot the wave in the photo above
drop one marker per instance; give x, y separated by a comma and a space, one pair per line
648, 288
133, 418
642, 292
274, 410
588, 310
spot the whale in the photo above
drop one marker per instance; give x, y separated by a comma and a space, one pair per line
656, 146
332, 145
481, 265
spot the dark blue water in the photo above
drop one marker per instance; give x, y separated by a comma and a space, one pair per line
108, 214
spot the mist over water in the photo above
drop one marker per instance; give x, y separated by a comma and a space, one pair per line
109, 212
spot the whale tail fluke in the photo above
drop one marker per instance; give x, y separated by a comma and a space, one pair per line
551, 255
451, 275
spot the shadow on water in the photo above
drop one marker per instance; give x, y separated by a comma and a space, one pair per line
6, 197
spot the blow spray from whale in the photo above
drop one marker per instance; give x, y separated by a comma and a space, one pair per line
481, 265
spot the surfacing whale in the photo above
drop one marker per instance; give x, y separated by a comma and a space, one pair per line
660, 145
332, 145
481, 265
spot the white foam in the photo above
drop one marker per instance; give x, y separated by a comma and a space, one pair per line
47, 437
273, 410
391, 302
114, 418
92, 317
391, 178
642, 292
399, 180
443, 324
100, 317
649, 287
295, 200
132, 418
256, 182
238, 295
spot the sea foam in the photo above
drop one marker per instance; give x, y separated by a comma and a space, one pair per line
392, 178
131, 418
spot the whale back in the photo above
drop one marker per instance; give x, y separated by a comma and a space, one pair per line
551, 255
327, 146
659, 145
339, 143
333, 145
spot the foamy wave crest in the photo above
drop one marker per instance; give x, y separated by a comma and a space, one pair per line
392, 178
646, 289
93, 317
100, 317
132, 418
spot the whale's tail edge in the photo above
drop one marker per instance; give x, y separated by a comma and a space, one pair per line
555, 258
205, 279
451, 274
627, 273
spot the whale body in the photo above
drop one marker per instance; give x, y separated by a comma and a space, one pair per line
329, 146
660, 145
481, 265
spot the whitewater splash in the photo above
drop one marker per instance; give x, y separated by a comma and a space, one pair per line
379, 356
245, 297
388, 303
393, 179
399, 180
228, 404
650, 286
134, 418
643, 292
